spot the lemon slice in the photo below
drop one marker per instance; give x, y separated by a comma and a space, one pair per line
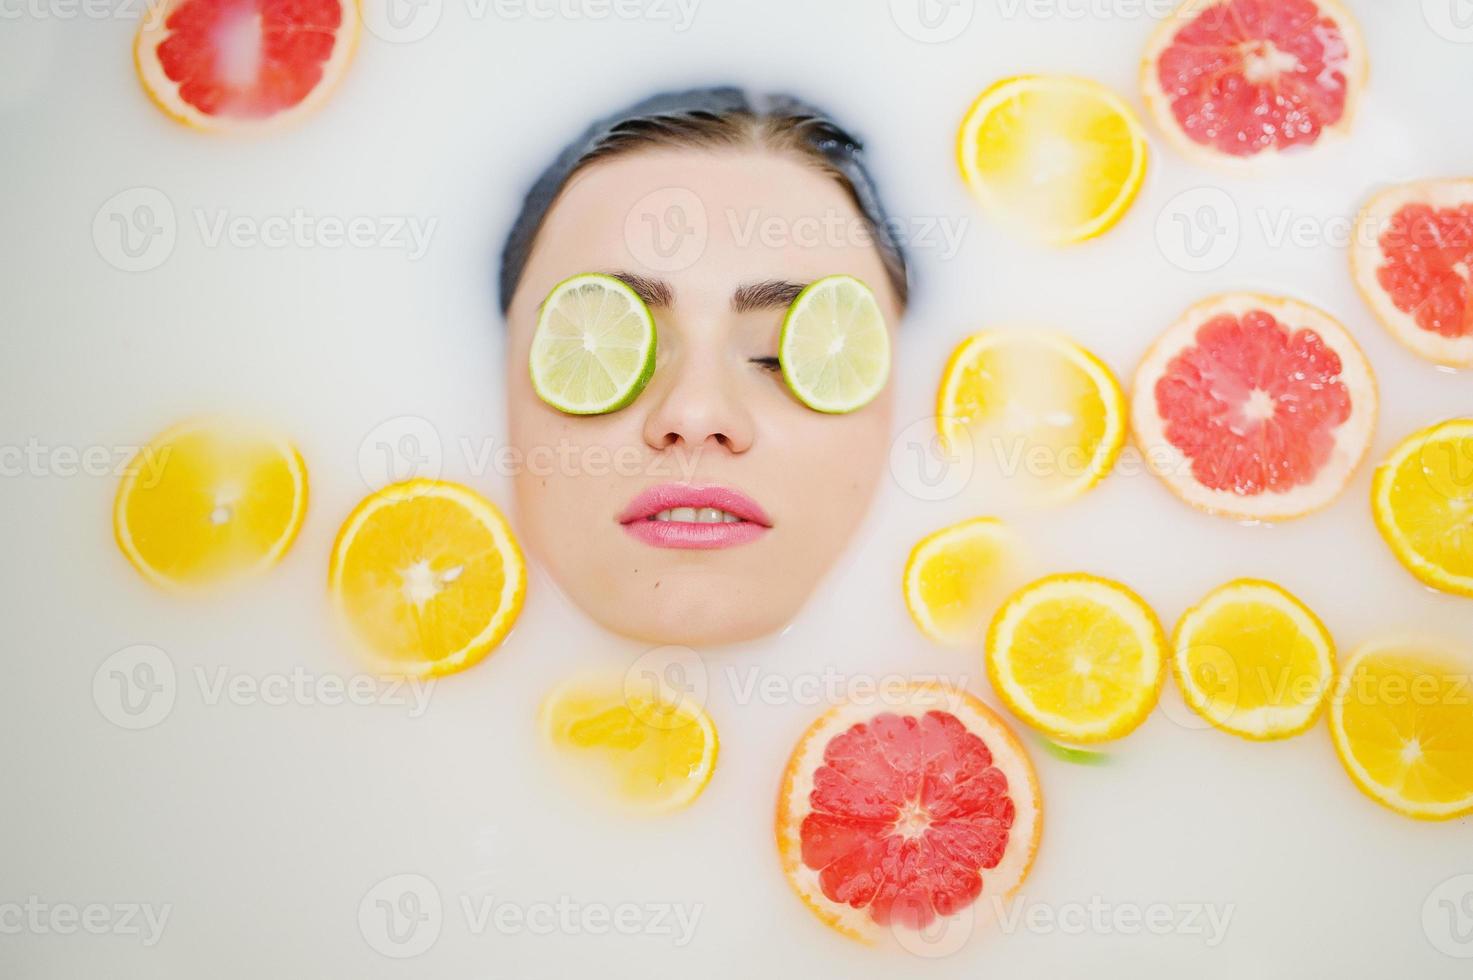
1422, 497
835, 347
1079, 658
1059, 158
1253, 660
951, 579
651, 754
594, 347
1402, 721
427, 576
209, 501
1041, 412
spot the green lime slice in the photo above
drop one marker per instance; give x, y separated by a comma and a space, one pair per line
835, 349
594, 347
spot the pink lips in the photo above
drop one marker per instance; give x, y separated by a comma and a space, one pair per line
639, 517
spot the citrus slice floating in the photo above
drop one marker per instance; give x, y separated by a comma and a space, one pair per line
594, 346
835, 347
238, 65
896, 815
1412, 257
1238, 80
1254, 407
1253, 660
1057, 157
1079, 658
209, 501
1033, 408
951, 579
651, 754
1422, 498
1401, 717
427, 576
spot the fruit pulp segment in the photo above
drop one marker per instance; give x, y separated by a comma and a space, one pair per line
1078, 659
1248, 655
248, 58
423, 578
1246, 76
907, 811
1254, 405
1427, 267
1055, 157
215, 504
656, 746
1431, 498
1409, 723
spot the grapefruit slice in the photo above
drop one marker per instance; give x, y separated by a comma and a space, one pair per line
1239, 80
1254, 407
897, 814
233, 65
1412, 257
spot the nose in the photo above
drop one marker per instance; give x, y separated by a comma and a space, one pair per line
695, 407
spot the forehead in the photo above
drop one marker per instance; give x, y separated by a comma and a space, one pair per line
705, 220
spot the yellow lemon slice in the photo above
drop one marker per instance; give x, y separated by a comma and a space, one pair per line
1079, 658
1422, 497
1058, 157
1402, 720
1033, 409
951, 579
427, 576
650, 753
1253, 660
209, 501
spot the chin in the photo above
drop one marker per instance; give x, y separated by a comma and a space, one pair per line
698, 608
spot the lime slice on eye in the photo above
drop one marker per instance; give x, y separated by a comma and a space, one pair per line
835, 349
594, 347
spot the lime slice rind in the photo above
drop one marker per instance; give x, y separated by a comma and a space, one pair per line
593, 350
835, 347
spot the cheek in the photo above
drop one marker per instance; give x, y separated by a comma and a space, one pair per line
831, 461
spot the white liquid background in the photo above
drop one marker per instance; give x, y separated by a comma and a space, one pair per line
265, 826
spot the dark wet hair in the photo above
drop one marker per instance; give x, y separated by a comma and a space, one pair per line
705, 117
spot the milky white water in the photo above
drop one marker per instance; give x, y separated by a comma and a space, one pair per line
267, 829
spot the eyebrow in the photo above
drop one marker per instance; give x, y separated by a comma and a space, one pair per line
766, 295
654, 292
770, 294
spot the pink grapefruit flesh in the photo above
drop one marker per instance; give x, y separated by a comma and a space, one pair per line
1413, 262
221, 64
895, 818
1255, 407
1237, 79
907, 814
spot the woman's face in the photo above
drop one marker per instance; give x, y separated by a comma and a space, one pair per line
718, 242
